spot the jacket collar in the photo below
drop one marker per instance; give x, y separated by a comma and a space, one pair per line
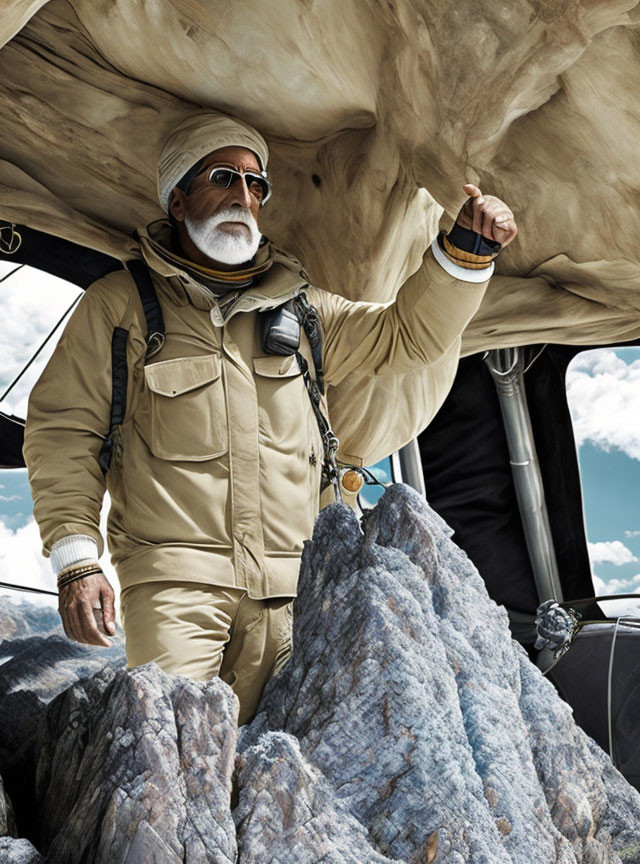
274, 277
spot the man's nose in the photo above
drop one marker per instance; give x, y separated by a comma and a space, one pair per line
239, 193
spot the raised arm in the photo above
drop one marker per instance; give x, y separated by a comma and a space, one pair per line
432, 308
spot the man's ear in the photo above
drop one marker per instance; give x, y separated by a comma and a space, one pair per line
177, 202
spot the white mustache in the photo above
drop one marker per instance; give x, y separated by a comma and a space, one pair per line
232, 214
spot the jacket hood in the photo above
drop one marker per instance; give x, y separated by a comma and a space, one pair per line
273, 277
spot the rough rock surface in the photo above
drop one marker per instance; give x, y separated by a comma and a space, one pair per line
407, 727
13, 850
18, 852
288, 811
424, 716
153, 788
7, 819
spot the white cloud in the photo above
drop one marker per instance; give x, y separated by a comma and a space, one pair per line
610, 552
10, 497
632, 533
604, 398
32, 302
614, 608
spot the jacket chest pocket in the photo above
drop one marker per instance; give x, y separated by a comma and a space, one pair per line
285, 402
183, 414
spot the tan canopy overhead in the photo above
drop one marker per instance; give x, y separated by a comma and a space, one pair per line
375, 114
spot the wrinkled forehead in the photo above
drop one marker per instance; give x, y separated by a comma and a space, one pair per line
236, 157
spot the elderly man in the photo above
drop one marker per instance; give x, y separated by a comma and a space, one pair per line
216, 433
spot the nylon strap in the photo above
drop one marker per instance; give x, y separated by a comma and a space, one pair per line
150, 305
118, 393
119, 373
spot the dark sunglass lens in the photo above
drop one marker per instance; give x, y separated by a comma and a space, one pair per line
257, 186
221, 178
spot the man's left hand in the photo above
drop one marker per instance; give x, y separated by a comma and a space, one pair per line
487, 215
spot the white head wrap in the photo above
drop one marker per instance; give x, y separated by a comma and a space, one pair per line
197, 136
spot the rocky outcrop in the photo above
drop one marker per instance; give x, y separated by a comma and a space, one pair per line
407, 727
151, 759
13, 850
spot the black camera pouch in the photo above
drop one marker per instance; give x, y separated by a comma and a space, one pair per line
280, 330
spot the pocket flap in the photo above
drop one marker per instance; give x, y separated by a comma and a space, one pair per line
173, 377
275, 366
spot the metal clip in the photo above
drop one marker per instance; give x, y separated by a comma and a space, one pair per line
331, 445
11, 245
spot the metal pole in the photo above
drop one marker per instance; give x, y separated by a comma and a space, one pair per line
505, 366
406, 465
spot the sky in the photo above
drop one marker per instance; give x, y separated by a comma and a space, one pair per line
603, 388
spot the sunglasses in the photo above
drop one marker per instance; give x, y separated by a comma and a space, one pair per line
257, 184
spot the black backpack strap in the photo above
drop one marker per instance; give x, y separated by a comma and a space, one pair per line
150, 305
118, 395
112, 445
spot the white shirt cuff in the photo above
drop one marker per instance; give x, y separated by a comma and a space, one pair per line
71, 550
461, 273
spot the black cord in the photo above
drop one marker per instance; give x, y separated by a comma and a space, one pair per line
15, 270
24, 588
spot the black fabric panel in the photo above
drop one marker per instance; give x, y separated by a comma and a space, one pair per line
118, 376
148, 297
11, 441
582, 678
77, 264
468, 481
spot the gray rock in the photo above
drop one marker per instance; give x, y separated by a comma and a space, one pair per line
21, 619
18, 852
136, 766
7, 819
407, 692
288, 811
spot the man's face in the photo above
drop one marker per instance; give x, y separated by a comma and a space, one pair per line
221, 223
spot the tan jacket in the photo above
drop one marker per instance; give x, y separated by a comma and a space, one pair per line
220, 471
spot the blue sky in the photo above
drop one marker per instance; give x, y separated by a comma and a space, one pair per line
604, 395
603, 388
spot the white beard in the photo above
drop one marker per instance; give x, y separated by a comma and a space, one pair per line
225, 246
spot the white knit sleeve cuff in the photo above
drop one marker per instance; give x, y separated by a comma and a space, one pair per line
461, 273
72, 549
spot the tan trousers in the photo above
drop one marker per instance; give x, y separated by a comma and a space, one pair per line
199, 630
